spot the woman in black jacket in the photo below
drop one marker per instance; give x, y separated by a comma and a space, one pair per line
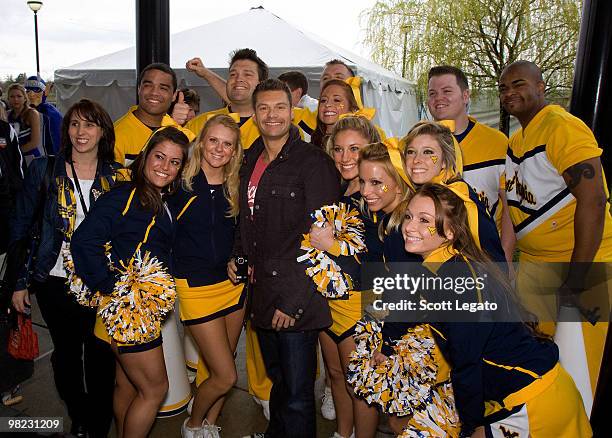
70, 185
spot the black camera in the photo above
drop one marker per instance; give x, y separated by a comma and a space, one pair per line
242, 271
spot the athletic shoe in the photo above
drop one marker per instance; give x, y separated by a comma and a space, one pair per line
191, 432
337, 435
210, 430
328, 410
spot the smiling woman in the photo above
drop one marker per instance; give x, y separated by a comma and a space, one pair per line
133, 221
84, 169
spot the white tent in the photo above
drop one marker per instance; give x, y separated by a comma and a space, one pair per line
111, 81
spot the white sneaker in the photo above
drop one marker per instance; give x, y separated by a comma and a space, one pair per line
265, 406
328, 410
337, 435
210, 430
191, 432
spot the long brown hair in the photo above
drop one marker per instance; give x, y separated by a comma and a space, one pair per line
231, 179
319, 136
451, 211
148, 195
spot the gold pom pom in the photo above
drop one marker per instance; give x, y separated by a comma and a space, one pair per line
76, 287
405, 384
142, 297
348, 230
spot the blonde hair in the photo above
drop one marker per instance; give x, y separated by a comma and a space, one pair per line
231, 179
377, 152
358, 124
443, 136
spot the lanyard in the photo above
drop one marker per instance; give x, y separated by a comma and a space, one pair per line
78, 187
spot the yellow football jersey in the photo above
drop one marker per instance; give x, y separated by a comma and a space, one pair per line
131, 135
484, 157
541, 205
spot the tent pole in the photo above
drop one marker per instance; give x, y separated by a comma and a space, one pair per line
592, 102
152, 33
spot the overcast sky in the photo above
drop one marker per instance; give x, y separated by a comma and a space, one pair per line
73, 31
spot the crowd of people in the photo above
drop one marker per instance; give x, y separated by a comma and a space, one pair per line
214, 211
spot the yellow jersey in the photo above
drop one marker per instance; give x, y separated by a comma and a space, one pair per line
540, 203
484, 157
131, 135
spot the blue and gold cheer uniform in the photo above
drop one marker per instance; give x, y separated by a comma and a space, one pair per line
346, 311
119, 219
202, 248
503, 377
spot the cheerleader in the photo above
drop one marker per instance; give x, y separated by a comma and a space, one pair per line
431, 154
348, 137
211, 306
336, 98
122, 253
506, 379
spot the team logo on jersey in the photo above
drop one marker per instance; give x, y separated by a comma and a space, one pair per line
484, 199
522, 190
508, 433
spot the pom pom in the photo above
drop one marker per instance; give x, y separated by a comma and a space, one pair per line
438, 418
76, 287
405, 384
142, 297
348, 230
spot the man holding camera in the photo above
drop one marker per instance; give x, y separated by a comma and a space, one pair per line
283, 180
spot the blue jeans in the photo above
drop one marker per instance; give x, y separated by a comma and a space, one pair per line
291, 363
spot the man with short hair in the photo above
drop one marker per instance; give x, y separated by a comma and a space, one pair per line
283, 181
483, 148
336, 69
246, 70
557, 196
298, 84
156, 91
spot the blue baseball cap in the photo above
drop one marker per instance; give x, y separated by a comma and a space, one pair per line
35, 84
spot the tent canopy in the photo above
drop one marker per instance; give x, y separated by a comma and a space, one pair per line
111, 79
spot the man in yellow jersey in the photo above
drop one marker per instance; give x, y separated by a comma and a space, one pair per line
483, 148
557, 202
156, 91
246, 70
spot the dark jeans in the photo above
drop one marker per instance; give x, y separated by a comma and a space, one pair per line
291, 362
83, 366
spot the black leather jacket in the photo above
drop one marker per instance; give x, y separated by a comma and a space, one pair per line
300, 180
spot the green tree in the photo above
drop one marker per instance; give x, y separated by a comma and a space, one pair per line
479, 36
